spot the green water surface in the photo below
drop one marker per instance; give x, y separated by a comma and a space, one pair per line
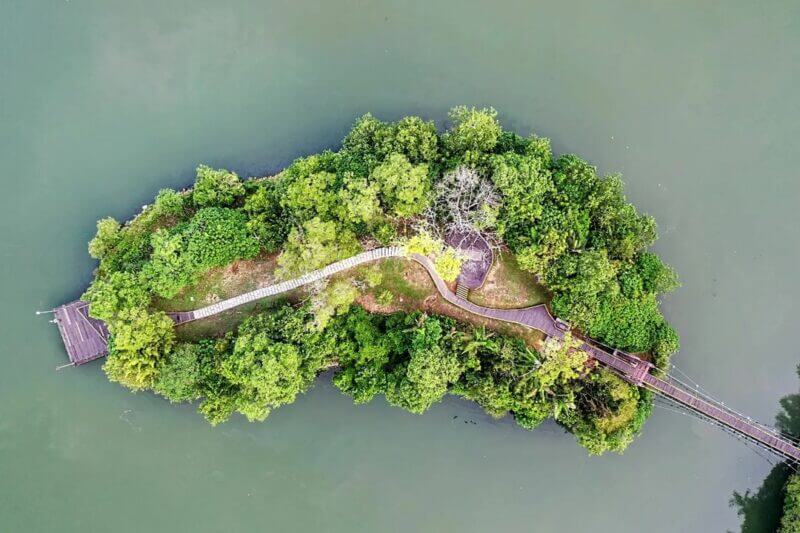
104, 102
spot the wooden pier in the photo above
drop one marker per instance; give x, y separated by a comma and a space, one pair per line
85, 338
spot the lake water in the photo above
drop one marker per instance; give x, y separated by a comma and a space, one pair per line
104, 102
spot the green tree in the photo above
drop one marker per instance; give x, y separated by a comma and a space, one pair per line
630, 324
312, 195
180, 377
473, 132
404, 187
266, 372
416, 139
334, 300
170, 267
117, 292
168, 204
562, 362
618, 227
138, 343
578, 280
657, 277
366, 145
790, 522
431, 367
214, 237
318, 244
267, 220
448, 264
216, 188
107, 237
524, 182
609, 414
365, 345
357, 203
217, 236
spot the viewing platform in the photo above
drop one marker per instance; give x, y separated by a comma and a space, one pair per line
85, 338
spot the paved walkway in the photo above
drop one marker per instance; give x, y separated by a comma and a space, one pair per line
286, 286
629, 367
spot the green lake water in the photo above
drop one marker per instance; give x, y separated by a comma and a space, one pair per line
104, 102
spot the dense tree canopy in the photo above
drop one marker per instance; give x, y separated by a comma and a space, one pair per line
401, 183
216, 188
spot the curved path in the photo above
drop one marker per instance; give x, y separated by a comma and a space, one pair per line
629, 367
536, 317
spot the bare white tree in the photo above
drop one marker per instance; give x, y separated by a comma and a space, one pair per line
465, 202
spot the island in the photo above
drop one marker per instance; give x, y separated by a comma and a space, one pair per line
412, 263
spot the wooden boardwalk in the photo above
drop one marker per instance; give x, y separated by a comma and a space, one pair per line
86, 339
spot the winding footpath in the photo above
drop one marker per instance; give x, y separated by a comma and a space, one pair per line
629, 367
86, 339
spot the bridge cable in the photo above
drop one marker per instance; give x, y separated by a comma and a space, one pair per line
750, 444
707, 394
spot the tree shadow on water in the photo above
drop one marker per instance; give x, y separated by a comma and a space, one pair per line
761, 510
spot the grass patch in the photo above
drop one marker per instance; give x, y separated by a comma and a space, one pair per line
409, 283
407, 286
220, 283
508, 286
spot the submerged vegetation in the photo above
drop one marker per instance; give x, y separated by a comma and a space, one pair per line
565, 226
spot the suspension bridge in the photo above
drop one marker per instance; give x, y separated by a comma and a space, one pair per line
85, 339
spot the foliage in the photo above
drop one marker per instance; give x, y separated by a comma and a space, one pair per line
505, 378
385, 297
448, 264
273, 358
416, 139
609, 412
117, 292
404, 187
562, 362
334, 300
317, 244
357, 203
790, 522
423, 243
267, 220
311, 195
774, 505
169, 268
217, 236
761, 510
432, 365
370, 141
216, 188
474, 132
366, 145
168, 204
366, 343
138, 343
181, 375
107, 237
579, 280
630, 324
266, 373
214, 237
